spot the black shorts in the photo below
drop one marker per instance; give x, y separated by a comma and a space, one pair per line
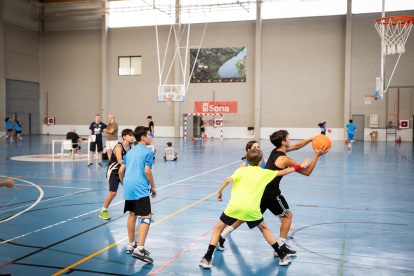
76, 146
10, 129
165, 158
18, 131
141, 207
94, 144
278, 206
229, 221
114, 184
323, 133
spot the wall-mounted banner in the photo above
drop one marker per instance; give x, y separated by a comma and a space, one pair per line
215, 107
217, 65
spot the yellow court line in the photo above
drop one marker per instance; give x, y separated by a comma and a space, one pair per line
112, 245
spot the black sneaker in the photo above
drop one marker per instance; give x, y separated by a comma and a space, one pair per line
90, 164
289, 252
142, 255
100, 165
284, 259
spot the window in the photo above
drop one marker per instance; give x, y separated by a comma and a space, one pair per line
135, 13
303, 8
217, 11
129, 66
370, 6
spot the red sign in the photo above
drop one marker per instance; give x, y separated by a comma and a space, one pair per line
391, 115
215, 107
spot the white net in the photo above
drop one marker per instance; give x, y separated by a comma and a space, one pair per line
395, 31
368, 99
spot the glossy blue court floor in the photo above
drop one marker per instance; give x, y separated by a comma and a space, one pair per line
352, 216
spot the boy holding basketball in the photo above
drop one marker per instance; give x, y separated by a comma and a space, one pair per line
248, 187
351, 129
136, 177
272, 198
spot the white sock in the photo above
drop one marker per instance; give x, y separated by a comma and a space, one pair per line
140, 248
227, 232
281, 241
104, 209
131, 243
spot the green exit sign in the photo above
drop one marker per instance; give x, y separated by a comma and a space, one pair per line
256, 109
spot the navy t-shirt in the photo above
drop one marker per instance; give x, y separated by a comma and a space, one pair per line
97, 130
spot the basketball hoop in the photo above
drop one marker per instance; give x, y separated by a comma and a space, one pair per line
394, 30
368, 98
168, 101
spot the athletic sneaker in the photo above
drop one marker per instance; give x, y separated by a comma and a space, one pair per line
288, 250
100, 165
90, 164
220, 244
130, 248
104, 214
204, 264
142, 255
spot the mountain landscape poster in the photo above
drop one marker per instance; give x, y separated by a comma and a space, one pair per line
215, 65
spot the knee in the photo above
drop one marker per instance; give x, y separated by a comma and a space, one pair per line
220, 227
289, 215
113, 194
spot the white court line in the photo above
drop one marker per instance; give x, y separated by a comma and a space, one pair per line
33, 205
57, 187
41, 201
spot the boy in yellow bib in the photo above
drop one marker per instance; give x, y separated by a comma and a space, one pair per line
246, 194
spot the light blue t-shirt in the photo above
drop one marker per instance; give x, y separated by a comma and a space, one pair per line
136, 184
263, 165
323, 128
351, 128
9, 126
17, 127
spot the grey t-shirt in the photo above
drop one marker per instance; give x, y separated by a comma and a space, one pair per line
113, 136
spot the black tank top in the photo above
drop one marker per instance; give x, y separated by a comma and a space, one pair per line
113, 166
272, 189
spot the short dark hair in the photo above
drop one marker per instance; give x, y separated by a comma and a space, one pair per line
350, 121
140, 131
7, 119
254, 157
149, 117
249, 146
277, 137
169, 144
97, 115
126, 132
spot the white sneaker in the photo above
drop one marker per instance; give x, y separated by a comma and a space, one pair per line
285, 261
219, 248
204, 264
130, 248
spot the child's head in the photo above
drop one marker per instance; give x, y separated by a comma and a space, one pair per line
169, 144
142, 134
8, 118
350, 121
251, 145
128, 135
149, 118
280, 138
17, 122
254, 157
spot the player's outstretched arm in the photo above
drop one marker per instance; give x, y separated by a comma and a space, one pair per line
223, 186
289, 162
300, 145
294, 168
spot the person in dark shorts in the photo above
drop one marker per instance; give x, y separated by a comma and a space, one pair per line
18, 128
272, 198
136, 177
323, 128
202, 129
244, 204
114, 164
72, 135
95, 136
9, 128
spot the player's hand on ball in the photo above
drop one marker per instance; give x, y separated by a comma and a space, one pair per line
305, 163
153, 192
219, 195
322, 151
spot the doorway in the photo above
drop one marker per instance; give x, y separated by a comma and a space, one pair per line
359, 122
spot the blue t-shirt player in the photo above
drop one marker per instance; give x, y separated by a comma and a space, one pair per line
96, 128
138, 183
351, 129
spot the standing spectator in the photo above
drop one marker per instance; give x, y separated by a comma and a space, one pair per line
9, 128
95, 135
151, 128
112, 131
18, 128
72, 135
202, 129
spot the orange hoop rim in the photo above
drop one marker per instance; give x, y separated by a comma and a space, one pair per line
372, 96
405, 20
169, 99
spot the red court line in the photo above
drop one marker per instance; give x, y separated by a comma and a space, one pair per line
49, 182
179, 254
179, 193
350, 195
6, 264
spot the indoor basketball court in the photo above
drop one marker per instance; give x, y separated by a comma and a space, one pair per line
186, 137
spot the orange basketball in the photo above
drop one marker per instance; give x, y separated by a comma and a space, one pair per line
192, 138
321, 140
205, 123
205, 136
212, 137
329, 130
346, 141
201, 116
